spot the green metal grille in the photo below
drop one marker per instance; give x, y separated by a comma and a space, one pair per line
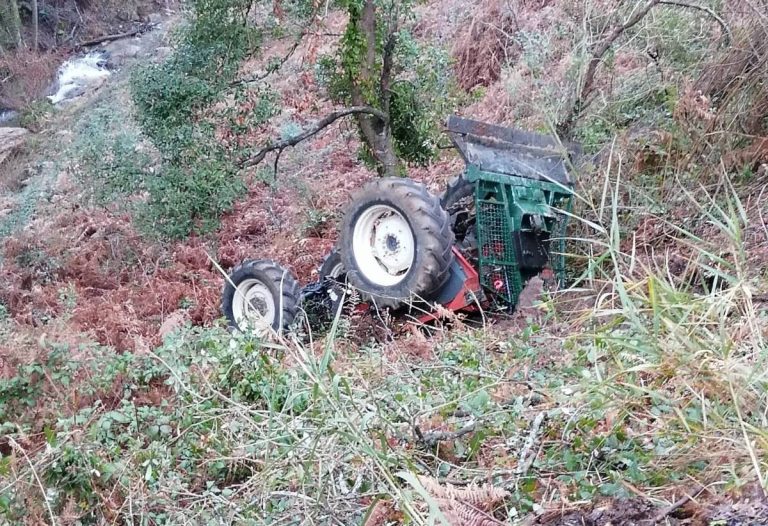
499, 270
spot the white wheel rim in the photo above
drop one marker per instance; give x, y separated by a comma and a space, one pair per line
336, 271
253, 304
383, 245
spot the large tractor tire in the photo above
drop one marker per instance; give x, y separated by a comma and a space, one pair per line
396, 242
260, 294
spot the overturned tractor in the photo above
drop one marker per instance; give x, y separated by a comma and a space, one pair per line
497, 224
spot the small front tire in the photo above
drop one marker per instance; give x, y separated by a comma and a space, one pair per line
332, 266
260, 292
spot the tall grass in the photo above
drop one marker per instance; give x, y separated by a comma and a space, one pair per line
658, 383
677, 358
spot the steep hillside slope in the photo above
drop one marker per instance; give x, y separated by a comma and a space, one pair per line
635, 396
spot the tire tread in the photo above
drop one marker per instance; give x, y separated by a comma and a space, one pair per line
432, 227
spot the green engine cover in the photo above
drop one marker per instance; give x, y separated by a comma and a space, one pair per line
523, 194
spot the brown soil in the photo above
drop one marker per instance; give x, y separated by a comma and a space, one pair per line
749, 508
625, 512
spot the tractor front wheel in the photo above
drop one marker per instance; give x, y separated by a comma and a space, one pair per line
260, 294
396, 242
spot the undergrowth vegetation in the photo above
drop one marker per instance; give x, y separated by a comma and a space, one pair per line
659, 381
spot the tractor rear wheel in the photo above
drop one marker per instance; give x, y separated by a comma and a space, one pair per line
396, 242
260, 294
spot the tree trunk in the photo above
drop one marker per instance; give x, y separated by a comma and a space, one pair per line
10, 24
378, 137
35, 27
375, 131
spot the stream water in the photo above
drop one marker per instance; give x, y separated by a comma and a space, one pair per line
8, 117
77, 74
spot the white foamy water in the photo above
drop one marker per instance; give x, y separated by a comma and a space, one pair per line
77, 74
7, 116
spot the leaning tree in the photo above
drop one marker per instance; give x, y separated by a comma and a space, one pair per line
369, 81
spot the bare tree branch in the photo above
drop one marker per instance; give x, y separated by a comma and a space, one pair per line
602, 47
587, 87
720, 21
310, 132
272, 68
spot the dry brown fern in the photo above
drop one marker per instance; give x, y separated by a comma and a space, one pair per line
461, 514
483, 46
470, 506
383, 512
484, 497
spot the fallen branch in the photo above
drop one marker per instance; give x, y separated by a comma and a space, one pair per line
675, 506
524, 462
432, 438
310, 132
141, 29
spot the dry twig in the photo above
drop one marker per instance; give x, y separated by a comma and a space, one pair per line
432, 438
524, 462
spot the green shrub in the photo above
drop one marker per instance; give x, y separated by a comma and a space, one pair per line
169, 95
34, 116
410, 130
109, 157
198, 180
186, 198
